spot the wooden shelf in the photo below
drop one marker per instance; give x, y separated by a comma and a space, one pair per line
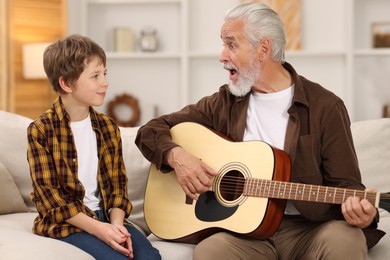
372, 52
141, 55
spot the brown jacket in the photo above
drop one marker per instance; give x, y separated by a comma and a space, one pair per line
318, 140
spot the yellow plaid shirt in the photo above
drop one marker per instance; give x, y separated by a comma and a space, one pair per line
57, 192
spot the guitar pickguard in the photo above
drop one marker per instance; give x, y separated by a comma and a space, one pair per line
209, 209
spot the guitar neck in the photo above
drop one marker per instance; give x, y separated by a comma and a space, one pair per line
304, 192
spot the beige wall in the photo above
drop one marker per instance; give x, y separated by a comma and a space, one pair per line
4, 56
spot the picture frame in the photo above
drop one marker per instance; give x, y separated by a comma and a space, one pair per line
290, 14
381, 34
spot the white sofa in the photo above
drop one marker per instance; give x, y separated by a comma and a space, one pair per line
17, 212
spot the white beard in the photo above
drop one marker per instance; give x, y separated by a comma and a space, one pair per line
240, 90
246, 78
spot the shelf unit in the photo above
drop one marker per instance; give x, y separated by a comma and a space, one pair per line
335, 52
371, 66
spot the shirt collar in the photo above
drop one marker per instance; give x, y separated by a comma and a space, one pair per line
61, 113
59, 109
299, 93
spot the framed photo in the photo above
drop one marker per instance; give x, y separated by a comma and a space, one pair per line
381, 34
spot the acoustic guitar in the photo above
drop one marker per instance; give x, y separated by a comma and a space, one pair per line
247, 197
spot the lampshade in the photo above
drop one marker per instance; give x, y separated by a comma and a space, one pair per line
33, 60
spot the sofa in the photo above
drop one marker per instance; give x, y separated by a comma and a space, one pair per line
17, 212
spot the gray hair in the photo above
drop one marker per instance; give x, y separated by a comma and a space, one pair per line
261, 22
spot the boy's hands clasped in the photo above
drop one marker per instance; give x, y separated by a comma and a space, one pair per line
116, 236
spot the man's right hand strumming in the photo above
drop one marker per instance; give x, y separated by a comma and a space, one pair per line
193, 175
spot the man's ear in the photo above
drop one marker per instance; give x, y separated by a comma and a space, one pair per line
264, 48
64, 85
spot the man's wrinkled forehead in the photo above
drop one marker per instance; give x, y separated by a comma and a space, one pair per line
232, 30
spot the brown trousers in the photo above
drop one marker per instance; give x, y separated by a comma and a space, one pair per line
295, 239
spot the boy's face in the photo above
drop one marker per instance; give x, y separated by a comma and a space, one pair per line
90, 89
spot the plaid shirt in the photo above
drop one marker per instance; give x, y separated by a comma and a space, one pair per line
57, 192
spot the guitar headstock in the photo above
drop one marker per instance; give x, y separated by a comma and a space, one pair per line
384, 201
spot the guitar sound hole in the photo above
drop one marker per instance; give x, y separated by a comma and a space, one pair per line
232, 185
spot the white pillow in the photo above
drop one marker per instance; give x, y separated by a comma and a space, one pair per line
372, 143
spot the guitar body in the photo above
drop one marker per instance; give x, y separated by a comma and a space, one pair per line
171, 215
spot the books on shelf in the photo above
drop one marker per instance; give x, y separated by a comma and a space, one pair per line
123, 40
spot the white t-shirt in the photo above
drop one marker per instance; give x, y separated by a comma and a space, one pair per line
267, 117
86, 146
267, 120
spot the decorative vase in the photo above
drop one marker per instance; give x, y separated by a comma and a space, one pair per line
148, 41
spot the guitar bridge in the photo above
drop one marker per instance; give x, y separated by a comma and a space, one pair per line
189, 201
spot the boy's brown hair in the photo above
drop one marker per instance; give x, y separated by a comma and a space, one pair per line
68, 57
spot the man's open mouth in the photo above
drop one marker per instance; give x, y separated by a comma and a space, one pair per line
232, 72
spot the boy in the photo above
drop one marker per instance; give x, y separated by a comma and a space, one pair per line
75, 157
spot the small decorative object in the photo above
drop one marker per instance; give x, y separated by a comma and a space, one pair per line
123, 39
148, 40
381, 34
129, 102
386, 111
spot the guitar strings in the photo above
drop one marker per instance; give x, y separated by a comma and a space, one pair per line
234, 185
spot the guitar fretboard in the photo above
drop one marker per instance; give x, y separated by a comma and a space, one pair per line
305, 192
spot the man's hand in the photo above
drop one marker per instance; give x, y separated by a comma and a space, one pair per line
193, 175
359, 213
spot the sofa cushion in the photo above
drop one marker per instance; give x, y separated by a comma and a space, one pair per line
172, 250
18, 242
137, 169
13, 152
372, 143
10, 199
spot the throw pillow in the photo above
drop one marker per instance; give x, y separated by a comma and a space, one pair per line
10, 199
372, 145
13, 150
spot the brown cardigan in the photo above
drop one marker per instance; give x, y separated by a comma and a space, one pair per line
318, 140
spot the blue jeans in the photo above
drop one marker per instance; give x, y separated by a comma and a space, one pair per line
142, 248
